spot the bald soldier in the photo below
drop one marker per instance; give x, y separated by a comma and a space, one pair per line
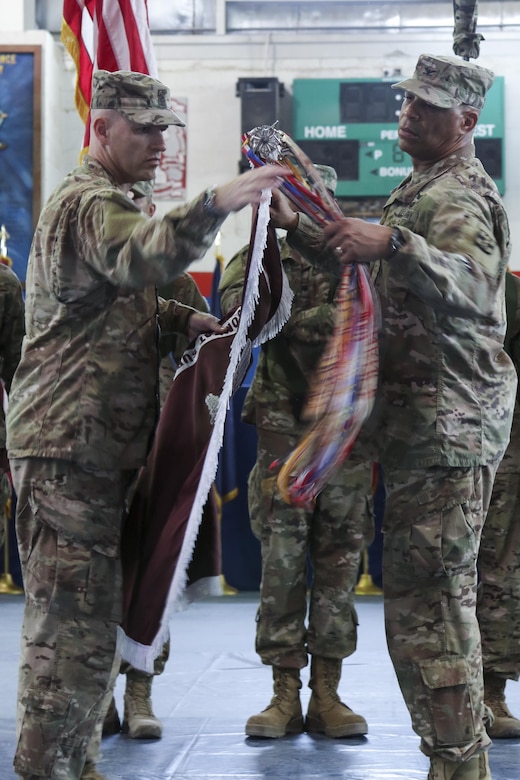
84, 403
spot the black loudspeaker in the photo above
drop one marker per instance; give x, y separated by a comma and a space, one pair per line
260, 105
489, 152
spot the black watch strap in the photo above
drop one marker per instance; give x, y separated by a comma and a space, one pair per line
397, 242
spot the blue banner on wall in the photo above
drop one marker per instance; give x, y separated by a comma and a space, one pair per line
19, 168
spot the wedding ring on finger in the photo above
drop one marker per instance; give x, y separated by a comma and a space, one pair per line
338, 250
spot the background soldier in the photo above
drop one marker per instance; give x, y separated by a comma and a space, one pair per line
12, 329
332, 536
498, 604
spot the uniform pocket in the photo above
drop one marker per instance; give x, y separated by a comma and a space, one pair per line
434, 531
260, 495
95, 522
43, 720
447, 682
443, 542
74, 566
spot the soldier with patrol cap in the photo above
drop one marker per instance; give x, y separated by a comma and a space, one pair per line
332, 535
446, 396
139, 719
83, 407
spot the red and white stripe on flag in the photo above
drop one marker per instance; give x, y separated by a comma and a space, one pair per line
108, 35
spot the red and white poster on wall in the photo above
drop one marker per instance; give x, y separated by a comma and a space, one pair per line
170, 179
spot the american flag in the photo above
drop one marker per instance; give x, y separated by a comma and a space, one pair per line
109, 35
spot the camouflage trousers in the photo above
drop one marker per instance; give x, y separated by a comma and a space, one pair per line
432, 528
68, 525
498, 602
332, 538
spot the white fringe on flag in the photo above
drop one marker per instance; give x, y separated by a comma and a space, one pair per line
142, 656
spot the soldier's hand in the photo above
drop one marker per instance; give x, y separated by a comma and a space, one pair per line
248, 187
199, 322
357, 241
283, 212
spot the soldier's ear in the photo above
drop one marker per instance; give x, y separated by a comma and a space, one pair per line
469, 118
100, 127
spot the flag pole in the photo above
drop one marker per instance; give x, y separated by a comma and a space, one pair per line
7, 584
227, 589
366, 585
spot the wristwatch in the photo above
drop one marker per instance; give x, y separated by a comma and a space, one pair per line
396, 243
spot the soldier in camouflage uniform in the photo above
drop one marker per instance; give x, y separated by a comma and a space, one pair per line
498, 603
445, 400
332, 536
83, 407
139, 720
11, 335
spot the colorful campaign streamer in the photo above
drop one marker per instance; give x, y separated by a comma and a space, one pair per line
343, 389
304, 187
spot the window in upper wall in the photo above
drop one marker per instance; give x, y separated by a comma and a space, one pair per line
200, 17
165, 16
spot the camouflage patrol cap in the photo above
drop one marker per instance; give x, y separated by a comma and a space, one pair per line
446, 82
138, 97
328, 176
142, 189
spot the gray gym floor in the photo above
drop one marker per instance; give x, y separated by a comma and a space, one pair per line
214, 681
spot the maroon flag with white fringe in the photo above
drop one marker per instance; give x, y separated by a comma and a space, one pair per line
170, 544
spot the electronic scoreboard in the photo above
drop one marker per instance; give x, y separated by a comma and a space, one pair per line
352, 125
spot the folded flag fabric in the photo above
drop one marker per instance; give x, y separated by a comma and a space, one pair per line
170, 545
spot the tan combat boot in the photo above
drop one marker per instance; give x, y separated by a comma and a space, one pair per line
139, 722
477, 768
326, 713
111, 723
90, 772
505, 725
284, 714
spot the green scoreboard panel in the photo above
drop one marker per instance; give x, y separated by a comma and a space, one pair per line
352, 125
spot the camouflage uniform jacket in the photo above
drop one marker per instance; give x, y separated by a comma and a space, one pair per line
183, 289
86, 387
447, 387
172, 345
286, 363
